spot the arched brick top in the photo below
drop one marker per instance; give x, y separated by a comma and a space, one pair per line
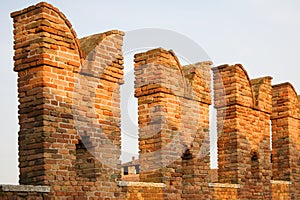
262, 91
88, 43
285, 101
198, 80
258, 82
103, 57
155, 53
231, 79
287, 84
177, 60
159, 68
60, 14
249, 81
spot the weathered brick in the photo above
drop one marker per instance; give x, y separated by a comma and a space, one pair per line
69, 116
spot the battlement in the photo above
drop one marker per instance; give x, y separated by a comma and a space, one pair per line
70, 121
285, 101
234, 83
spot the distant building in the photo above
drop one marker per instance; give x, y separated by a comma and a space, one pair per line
130, 170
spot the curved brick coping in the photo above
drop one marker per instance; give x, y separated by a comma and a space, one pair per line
24, 188
224, 185
140, 184
281, 182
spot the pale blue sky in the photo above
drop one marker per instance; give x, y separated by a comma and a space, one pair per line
262, 35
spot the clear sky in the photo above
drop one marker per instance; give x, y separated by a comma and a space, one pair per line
264, 36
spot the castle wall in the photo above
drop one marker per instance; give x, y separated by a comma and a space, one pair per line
20, 192
143, 190
285, 137
243, 123
281, 190
70, 134
225, 191
69, 110
173, 102
47, 59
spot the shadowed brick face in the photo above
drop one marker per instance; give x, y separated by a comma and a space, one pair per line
70, 122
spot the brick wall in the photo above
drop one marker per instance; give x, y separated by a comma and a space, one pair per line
47, 59
142, 190
281, 190
173, 111
69, 111
243, 114
20, 192
225, 191
285, 129
70, 134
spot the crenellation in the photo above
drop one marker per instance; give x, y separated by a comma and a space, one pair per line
172, 95
70, 121
233, 83
243, 126
285, 136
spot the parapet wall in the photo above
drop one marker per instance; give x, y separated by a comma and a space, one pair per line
8, 192
70, 125
243, 119
173, 105
285, 133
69, 111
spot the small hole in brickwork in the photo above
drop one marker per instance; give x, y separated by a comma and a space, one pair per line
254, 165
254, 157
90, 160
271, 158
187, 155
85, 163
